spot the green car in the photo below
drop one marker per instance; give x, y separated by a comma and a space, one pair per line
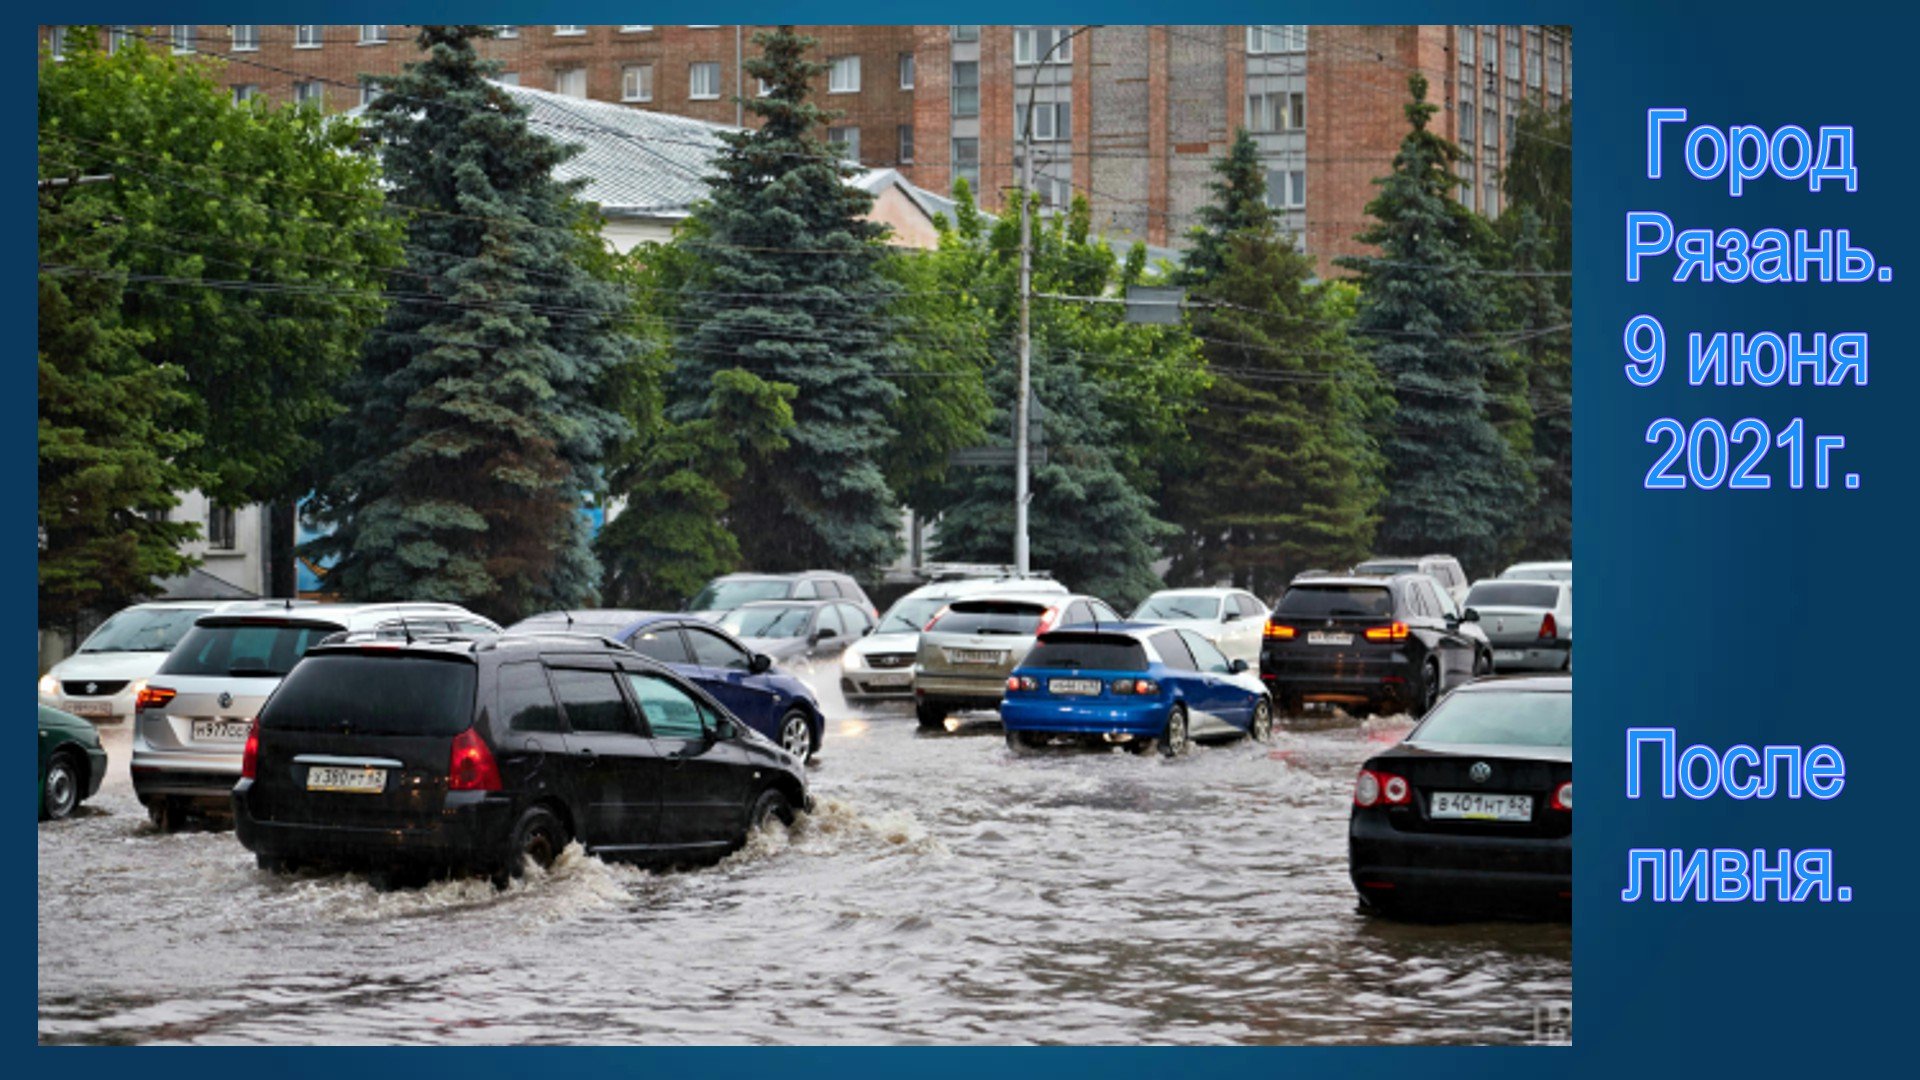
72, 762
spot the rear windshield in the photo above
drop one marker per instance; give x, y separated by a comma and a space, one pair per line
1105, 653
263, 649
1012, 618
1495, 718
1387, 569
143, 630
1368, 600
1178, 606
374, 695
722, 595
1538, 573
1513, 594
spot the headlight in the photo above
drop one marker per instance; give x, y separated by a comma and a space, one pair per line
853, 659
49, 686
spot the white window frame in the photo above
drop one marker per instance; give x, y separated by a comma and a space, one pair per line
57, 42
1276, 39
368, 92
903, 137
1036, 42
909, 70
762, 88
310, 91
562, 74
694, 67
839, 68
251, 42
245, 92
231, 518
1296, 189
837, 137
117, 37
570, 30
309, 35
373, 33
506, 31
186, 32
628, 91
636, 29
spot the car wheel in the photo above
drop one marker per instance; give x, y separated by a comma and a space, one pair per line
1428, 692
796, 734
1175, 742
770, 806
930, 716
274, 864
1022, 743
1260, 729
62, 789
167, 814
537, 838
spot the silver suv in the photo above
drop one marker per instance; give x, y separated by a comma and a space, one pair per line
969, 649
191, 719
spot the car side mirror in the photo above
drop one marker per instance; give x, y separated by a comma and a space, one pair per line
1237, 666
1230, 616
866, 631
824, 633
760, 664
1472, 615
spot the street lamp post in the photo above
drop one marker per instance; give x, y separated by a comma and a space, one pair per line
1022, 482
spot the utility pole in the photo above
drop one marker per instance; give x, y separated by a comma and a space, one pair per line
1022, 480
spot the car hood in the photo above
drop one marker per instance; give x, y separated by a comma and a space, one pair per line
898, 642
108, 665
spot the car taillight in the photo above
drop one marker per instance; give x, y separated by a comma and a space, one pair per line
152, 697
1142, 687
1395, 631
1046, 620
472, 767
1381, 789
249, 757
1279, 632
1549, 628
1563, 797
1366, 789
1022, 682
1394, 790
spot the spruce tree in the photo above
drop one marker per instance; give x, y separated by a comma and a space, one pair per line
1538, 227
1426, 312
792, 290
475, 427
1281, 475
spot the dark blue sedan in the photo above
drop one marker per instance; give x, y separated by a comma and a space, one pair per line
771, 702
1134, 685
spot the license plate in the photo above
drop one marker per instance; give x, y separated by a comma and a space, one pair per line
365, 781
1073, 686
1328, 637
976, 656
90, 708
220, 730
1508, 655
1479, 806
890, 679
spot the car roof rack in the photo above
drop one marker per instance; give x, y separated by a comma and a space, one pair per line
396, 634
565, 635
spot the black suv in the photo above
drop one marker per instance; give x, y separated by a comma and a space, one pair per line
1367, 643
468, 756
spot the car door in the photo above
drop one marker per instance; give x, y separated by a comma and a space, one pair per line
530, 737
703, 791
1454, 647
725, 670
615, 769
1227, 704
1184, 673
664, 642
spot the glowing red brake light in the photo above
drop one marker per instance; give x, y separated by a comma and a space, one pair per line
152, 697
250, 756
1046, 620
472, 767
1279, 632
1396, 631
1022, 682
1549, 628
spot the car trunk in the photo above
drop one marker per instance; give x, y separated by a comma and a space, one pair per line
1448, 798
1329, 626
1512, 627
983, 639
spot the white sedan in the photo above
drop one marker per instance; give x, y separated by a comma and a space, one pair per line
1233, 619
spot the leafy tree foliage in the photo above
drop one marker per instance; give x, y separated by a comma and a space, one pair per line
1538, 228
476, 426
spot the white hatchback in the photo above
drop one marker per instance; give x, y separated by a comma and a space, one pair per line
1231, 619
103, 677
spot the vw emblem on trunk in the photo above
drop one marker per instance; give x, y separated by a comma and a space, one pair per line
93, 688
226, 700
1480, 772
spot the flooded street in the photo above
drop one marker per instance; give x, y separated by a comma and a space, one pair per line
944, 891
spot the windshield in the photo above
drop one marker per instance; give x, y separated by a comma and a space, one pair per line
1386, 568
910, 613
1513, 594
726, 595
245, 648
776, 621
1496, 718
143, 630
1178, 606
1368, 600
374, 695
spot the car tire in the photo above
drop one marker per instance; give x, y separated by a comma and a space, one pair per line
796, 730
1260, 727
772, 804
60, 795
538, 837
167, 814
930, 716
1427, 693
1022, 743
1176, 741
275, 864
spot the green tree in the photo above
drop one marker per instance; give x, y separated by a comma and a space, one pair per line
1538, 230
111, 441
1426, 314
792, 289
255, 243
1281, 474
476, 423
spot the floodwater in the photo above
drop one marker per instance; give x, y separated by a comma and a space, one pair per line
945, 891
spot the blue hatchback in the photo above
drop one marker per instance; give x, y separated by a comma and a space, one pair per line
769, 701
1134, 685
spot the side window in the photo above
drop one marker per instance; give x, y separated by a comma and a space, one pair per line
1106, 613
712, 650
1204, 654
592, 701
526, 701
828, 618
1250, 606
854, 619
830, 587
804, 590
472, 626
1078, 614
662, 643
1173, 651
1416, 600
671, 712
1444, 600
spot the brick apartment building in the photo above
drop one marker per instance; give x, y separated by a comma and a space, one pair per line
1131, 117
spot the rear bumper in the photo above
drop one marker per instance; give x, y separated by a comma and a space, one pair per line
1144, 719
892, 685
1531, 656
1379, 689
206, 779
1450, 873
959, 691
471, 830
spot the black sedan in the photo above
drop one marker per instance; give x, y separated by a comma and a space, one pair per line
1472, 814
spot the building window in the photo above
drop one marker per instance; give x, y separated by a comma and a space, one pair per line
245, 92
570, 81
1291, 38
373, 34
183, 38
1279, 110
117, 37
1052, 121
966, 161
703, 80
1490, 205
1490, 125
1297, 189
246, 37
57, 42
1466, 45
506, 31
1055, 193
1287, 189
636, 29
905, 134
906, 71
1031, 44
966, 88
1513, 53
1466, 113
846, 140
636, 82
1533, 59
220, 527
368, 92
762, 88
569, 31
311, 92
843, 75
966, 33
308, 36
1555, 66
